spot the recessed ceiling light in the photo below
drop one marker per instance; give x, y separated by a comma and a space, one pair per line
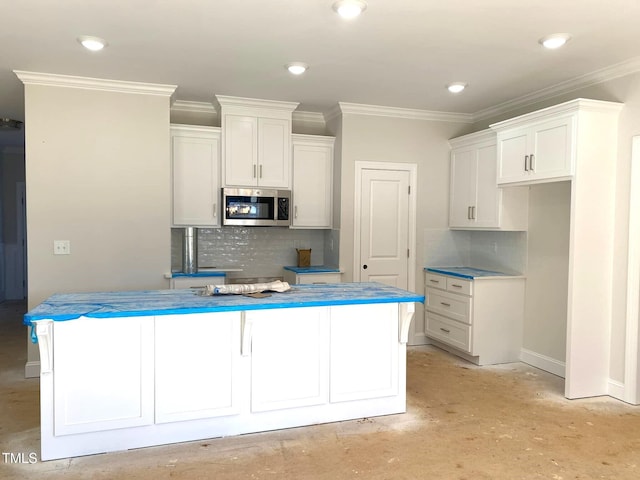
92, 43
456, 87
297, 68
349, 8
554, 41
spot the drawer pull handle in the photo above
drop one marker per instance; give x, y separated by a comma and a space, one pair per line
445, 304
434, 281
445, 330
455, 285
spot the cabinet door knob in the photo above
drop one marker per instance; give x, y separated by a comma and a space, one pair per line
365, 267
531, 164
526, 163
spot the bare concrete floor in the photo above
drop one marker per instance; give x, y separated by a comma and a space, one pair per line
463, 422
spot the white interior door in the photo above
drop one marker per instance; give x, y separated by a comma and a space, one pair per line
384, 234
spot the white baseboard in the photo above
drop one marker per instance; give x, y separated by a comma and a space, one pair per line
616, 390
543, 362
418, 339
32, 369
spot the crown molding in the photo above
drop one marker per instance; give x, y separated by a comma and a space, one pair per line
195, 107
227, 101
408, 113
206, 107
475, 138
54, 80
334, 112
571, 106
612, 72
309, 117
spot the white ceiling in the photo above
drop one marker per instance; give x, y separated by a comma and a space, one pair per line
399, 53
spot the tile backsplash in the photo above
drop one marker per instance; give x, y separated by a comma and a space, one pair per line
491, 250
258, 251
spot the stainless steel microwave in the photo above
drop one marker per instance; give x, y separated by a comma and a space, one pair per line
261, 207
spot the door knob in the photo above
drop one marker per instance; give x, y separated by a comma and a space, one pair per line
365, 266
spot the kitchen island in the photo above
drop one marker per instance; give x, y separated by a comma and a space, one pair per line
122, 370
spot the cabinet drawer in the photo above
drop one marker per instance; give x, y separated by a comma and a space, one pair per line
436, 281
449, 331
459, 285
457, 307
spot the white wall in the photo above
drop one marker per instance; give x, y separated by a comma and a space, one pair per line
545, 320
97, 174
385, 139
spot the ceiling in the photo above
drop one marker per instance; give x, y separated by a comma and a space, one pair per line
398, 53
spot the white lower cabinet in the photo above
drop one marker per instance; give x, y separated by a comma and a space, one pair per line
368, 367
103, 379
114, 383
196, 369
312, 278
480, 319
289, 358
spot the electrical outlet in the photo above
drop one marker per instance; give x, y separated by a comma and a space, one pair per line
61, 247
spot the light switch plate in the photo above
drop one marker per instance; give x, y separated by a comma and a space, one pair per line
61, 247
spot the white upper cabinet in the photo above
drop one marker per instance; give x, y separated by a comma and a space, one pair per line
241, 150
195, 175
312, 181
274, 153
540, 152
543, 146
256, 142
476, 202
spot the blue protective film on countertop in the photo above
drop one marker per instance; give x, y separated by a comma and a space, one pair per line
466, 272
198, 274
70, 306
314, 269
